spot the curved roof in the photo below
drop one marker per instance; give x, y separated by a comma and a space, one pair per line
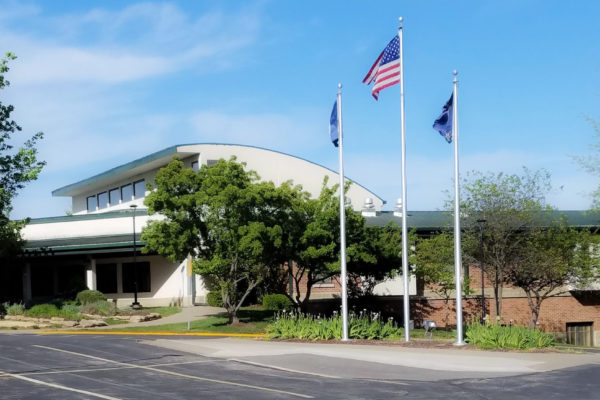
161, 158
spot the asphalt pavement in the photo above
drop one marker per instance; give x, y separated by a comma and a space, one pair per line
61, 366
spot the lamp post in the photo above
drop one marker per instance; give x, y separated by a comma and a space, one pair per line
135, 304
481, 223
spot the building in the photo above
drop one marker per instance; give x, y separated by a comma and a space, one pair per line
94, 246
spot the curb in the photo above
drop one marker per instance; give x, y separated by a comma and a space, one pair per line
153, 333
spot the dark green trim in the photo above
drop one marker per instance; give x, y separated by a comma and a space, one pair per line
88, 217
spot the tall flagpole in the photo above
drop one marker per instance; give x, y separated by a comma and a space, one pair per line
342, 219
404, 208
457, 250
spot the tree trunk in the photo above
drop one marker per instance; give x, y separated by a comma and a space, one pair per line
498, 292
233, 318
447, 317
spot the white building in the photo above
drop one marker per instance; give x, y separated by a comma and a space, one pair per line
95, 245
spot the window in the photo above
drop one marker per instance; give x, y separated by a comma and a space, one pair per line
103, 200
106, 278
195, 166
126, 192
580, 333
91, 203
211, 162
143, 277
114, 196
139, 189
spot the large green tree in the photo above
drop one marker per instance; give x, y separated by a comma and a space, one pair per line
554, 259
372, 253
237, 228
18, 166
510, 205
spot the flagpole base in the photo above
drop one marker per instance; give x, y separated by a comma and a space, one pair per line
459, 344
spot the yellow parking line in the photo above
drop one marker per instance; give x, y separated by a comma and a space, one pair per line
222, 382
152, 333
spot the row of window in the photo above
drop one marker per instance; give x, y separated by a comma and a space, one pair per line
196, 164
106, 277
131, 191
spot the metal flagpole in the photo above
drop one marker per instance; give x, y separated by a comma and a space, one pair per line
404, 208
342, 219
457, 251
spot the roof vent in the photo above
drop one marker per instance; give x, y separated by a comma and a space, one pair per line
369, 208
398, 208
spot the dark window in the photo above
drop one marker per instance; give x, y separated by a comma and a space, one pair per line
42, 280
126, 192
106, 278
102, 200
195, 165
91, 203
139, 189
211, 162
114, 195
70, 280
580, 333
143, 277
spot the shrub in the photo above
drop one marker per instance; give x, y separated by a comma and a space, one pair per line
43, 311
70, 311
507, 337
14, 309
214, 299
101, 307
304, 326
276, 302
89, 296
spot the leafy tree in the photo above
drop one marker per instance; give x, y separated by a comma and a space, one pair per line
371, 252
236, 227
17, 167
510, 205
433, 259
550, 260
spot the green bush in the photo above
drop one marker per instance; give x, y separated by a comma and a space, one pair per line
70, 311
89, 296
303, 326
507, 337
14, 309
276, 302
43, 311
214, 299
101, 307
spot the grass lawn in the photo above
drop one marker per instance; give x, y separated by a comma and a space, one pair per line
252, 320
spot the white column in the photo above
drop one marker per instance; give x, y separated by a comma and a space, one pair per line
90, 275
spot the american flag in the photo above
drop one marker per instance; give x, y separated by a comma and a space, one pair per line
386, 69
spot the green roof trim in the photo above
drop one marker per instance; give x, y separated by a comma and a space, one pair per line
437, 220
87, 217
81, 243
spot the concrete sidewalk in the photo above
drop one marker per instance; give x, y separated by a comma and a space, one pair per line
378, 362
192, 313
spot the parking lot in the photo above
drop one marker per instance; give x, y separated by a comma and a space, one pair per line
127, 367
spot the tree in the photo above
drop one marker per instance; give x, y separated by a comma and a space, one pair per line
510, 205
236, 227
371, 252
552, 259
433, 259
17, 167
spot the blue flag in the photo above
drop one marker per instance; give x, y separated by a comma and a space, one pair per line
333, 125
444, 123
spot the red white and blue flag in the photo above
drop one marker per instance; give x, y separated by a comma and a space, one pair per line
385, 72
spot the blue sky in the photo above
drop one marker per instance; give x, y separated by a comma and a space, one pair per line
109, 82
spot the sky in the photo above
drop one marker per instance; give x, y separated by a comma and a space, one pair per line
111, 81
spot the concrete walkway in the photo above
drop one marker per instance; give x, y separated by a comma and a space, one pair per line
192, 313
379, 362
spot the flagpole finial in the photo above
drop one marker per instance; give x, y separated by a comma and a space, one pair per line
339, 85
400, 19
455, 73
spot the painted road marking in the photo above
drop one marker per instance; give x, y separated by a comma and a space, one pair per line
295, 371
73, 371
261, 388
152, 333
70, 389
